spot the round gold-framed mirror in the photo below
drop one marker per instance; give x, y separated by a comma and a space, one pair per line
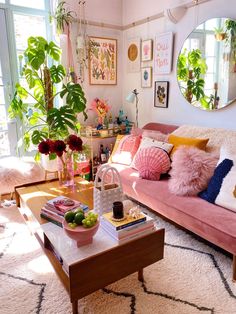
206, 65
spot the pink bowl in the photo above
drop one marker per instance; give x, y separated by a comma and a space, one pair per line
81, 235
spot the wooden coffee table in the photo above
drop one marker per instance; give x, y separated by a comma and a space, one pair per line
89, 268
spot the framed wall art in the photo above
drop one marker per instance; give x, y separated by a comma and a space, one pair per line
146, 77
133, 55
102, 61
146, 50
163, 53
161, 92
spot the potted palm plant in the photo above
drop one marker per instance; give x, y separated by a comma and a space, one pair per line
36, 105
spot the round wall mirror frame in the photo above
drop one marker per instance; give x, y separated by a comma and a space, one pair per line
206, 65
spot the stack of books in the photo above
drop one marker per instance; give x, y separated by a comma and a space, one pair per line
127, 229
55, 209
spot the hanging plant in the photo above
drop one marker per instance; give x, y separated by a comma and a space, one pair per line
62, 17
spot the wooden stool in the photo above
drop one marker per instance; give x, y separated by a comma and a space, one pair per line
51, 173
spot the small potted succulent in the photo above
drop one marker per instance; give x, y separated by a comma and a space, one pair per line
81, 226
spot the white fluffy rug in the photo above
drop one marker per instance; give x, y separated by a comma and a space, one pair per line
16, 171
192, 278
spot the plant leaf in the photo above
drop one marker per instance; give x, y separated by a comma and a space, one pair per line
62, 118
54, 51
38, 136
57, 73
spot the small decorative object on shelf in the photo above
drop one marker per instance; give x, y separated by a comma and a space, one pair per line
101, 108
63, 151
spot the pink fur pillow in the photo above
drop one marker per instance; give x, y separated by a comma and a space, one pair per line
191, 170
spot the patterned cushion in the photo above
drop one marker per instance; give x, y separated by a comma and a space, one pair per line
221, 188
151, 162
149, 142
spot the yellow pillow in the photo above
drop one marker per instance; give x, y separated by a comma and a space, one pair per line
117, 143
187, 141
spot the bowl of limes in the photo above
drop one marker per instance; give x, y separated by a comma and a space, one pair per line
80, 226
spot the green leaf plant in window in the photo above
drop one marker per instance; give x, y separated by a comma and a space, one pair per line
35, 105
191, 68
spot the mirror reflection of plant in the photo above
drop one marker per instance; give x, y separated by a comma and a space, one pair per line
35, 106
191, 68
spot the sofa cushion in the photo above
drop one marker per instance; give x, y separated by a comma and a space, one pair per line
151, 162
125, 149
178, 141
221, 188
191, 170
149, 142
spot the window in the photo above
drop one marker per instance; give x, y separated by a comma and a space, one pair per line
36, 4
26, 18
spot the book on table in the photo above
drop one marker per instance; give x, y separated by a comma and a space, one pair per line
127, 222
64, 204
130, 232
55, 209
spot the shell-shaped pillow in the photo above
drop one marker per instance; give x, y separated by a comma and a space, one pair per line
151, 162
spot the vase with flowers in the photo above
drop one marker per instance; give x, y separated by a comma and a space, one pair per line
101, 108
65, 151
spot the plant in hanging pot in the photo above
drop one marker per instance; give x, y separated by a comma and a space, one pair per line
62, 17
37, 105
220, 33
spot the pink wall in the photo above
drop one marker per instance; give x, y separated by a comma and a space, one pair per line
106, 11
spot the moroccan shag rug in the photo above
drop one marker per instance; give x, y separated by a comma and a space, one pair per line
192, 278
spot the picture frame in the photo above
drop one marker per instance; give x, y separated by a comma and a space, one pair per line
133, 52
102, 61
163, 52
161, 94
147, 50
146, 77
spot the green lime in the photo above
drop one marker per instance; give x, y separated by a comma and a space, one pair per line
69, 216
72, 225
78, 218
78, 210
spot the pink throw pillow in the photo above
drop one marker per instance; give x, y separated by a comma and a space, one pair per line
191, 170
126, 150
136, 131
151, 162
155, 135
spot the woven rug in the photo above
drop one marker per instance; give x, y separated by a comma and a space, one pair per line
192, 278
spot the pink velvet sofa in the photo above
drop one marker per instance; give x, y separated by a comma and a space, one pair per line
213, 223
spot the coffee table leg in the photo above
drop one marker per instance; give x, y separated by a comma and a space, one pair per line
140, 275
75, 307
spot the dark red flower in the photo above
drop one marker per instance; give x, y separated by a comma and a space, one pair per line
44, 147
58, 147
75, 142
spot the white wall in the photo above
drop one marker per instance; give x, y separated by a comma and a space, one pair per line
179, 110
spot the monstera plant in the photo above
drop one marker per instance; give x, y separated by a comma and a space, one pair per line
36, 103
191, 68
